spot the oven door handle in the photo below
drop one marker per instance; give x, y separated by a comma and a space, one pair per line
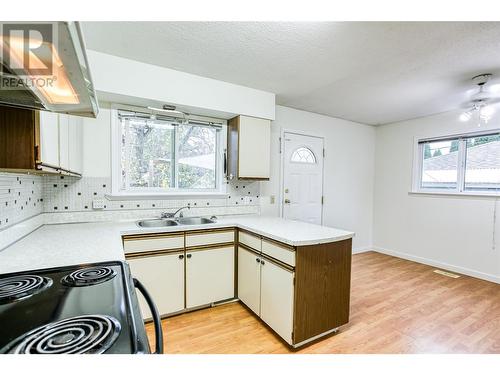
155, 314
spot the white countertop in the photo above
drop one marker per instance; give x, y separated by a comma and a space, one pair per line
59, 245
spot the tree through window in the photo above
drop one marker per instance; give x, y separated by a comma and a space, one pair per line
157, 154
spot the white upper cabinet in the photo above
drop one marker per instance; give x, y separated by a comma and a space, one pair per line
60, 144
249, 148
75, 146
49, 139
64, 142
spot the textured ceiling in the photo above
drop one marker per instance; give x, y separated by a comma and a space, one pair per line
373, 73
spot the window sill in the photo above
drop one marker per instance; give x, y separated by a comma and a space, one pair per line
149, 196
456, 194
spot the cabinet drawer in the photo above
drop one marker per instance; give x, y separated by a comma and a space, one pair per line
250, 240
209, 238
138, 244
281, 252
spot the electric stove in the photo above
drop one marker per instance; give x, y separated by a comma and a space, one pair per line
83, 309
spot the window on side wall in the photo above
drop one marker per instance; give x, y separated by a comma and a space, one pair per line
464, 164
161, 155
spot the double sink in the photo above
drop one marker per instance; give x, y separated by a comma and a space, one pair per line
155, 223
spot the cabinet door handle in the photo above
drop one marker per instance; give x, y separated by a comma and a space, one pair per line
188, 256
257, 260
181, 256
262, 262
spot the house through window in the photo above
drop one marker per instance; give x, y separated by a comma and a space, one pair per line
468, 163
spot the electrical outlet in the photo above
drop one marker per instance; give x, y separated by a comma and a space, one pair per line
98, 204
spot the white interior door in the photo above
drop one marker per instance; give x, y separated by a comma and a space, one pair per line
302, 178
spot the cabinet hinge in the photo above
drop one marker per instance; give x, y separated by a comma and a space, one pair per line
293, 335
280, 145
324, 153
322, 199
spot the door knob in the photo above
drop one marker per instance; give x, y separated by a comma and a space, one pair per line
287, 201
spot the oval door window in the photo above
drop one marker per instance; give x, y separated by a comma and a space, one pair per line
303, 155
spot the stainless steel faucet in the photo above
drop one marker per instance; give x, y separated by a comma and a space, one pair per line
165, 215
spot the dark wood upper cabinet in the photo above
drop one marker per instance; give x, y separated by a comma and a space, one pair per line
40, 142
18, 138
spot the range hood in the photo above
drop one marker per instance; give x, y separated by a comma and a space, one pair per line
44, 66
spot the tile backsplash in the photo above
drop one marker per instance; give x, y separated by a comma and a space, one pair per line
23, 196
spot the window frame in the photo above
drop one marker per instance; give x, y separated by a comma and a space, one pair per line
148, 193
419, 142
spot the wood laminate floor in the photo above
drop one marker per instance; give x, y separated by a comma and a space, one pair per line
397, 306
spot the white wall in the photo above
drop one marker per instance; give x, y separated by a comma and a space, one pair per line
448, 231
132, 82
348, 176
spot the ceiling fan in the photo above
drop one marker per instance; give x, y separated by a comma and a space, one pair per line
481, 102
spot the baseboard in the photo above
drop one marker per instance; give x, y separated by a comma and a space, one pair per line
362, 249
442, 265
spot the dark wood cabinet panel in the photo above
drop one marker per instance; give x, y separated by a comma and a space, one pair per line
322, 288
17, 138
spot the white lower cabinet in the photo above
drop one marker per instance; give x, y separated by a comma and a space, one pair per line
163, 277
268, 290
276, 299
249, 279
209, 275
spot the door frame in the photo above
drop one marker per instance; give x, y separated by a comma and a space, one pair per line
281, 196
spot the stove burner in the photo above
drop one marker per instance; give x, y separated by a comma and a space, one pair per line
19, 287
89, 276
85, 334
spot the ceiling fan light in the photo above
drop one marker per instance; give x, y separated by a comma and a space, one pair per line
465, 116
486, 113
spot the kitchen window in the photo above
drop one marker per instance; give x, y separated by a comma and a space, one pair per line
157, 154
462, 164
